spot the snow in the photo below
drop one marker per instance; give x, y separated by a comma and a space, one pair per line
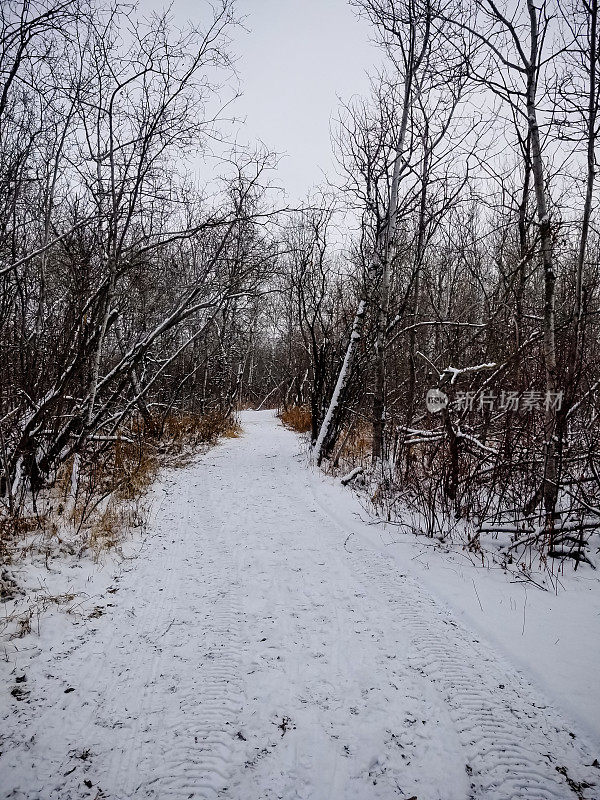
552, 636
455, 371
261, 641
354, 473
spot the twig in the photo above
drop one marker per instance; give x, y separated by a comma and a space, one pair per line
477, 593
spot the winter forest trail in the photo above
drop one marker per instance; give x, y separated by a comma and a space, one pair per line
255, 650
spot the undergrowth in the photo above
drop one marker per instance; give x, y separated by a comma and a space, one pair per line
297, 418
99, 496
411, 495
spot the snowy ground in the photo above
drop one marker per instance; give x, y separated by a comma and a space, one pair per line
266, 643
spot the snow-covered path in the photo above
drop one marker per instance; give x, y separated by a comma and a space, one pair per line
258, 649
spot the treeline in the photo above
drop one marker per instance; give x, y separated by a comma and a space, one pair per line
472, 169
127, 290
434, 316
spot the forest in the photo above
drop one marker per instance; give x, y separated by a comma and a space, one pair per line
457, 251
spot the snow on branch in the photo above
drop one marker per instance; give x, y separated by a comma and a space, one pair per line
455, 371
351, 476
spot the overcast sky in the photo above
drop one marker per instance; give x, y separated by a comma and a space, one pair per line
295, 60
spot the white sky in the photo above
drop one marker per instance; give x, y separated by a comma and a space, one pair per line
295, 60
299, 56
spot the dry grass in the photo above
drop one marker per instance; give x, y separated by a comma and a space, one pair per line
353, 447
108, 528
191, 430
113, 480
21, 622
134, 468
110, 488
14, 528
297, 418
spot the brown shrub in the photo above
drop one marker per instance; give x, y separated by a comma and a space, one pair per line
112, 479
182, 430
355, 443
298, 418
109, 527
15, 527
134, 468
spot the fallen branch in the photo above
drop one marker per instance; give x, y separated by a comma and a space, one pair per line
576, 555
351, 476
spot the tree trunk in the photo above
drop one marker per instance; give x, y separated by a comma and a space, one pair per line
342, 381
550, 487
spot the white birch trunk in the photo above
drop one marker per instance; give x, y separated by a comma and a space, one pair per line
341, 381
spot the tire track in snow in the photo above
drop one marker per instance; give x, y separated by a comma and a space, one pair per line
200, 664
515, 743
156, 677
322, 652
